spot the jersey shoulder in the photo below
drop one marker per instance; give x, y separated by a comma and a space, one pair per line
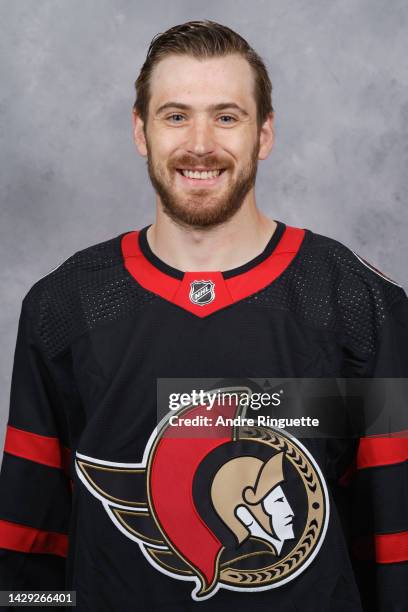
91, 287
332, 253
336, 292
84, 264
359, 294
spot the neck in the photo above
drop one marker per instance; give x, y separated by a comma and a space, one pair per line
222, 247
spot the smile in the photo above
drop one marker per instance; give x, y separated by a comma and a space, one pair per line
201, 174
201, 179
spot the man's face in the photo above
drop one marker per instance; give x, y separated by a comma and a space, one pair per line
202, 120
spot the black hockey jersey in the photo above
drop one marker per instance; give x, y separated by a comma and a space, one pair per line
102, 493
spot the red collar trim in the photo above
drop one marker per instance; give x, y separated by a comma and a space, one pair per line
203, 293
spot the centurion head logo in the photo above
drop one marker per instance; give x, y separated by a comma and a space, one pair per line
233, 507
247, 496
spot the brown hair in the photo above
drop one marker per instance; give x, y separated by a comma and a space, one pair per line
203, 39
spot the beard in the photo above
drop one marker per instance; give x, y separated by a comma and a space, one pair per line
202, 208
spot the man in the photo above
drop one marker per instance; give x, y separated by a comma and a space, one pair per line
96, 495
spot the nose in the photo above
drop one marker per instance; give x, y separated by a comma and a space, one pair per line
200, 138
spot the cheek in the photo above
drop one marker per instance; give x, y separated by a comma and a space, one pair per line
238, 143
157, 149
166, 143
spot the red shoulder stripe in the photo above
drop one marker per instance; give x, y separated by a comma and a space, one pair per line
392, 547
34, 447
383, 548
21, 538
379, 450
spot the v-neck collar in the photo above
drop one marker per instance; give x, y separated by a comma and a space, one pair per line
164, 267
204, 292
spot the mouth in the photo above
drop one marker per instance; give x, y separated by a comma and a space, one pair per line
203, 178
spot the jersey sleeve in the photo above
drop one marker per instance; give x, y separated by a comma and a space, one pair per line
380, 483
35, 487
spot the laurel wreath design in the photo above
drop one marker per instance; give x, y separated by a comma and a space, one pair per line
313, 526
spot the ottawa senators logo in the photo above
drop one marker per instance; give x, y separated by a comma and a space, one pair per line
233, 507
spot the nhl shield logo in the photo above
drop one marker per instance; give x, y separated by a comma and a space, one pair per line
202, 292
244, 509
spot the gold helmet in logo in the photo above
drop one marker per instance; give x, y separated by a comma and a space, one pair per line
244, 483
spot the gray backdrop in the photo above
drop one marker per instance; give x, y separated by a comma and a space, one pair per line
71, 176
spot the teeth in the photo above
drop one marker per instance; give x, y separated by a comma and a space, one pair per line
201, 175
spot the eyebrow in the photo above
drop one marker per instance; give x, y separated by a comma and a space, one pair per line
212, 107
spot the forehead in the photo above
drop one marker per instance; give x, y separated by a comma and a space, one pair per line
202, 82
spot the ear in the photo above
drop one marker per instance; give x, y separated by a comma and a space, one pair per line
266, 137
138, 133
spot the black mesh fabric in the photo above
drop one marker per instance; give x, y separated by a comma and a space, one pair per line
90, 288
328, 287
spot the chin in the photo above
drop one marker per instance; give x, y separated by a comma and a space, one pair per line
200, 209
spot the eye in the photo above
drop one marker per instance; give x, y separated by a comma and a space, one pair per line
175, 118
229, 120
